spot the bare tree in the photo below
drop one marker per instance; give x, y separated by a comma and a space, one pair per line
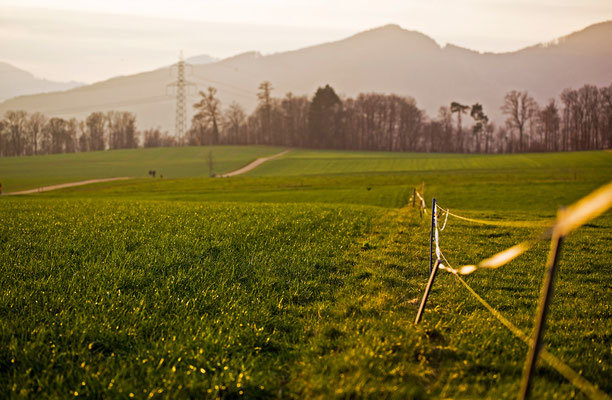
588, 100
152, 138
549, 124
156, 138
235, 120
605, 96
520, 108
83, 138
15, 125
57, 135
36, 123
71, 142
199, 133
121, 130
295, 119
95, 128
209, 112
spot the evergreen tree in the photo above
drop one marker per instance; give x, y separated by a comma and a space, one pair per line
325, 119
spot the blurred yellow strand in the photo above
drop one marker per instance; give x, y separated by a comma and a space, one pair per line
423, 206
568, 373
585, 209
495, 223
570, 219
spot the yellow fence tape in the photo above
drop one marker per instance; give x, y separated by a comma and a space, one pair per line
568, 373
570, 219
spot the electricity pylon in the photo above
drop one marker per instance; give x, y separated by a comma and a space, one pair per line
181, 86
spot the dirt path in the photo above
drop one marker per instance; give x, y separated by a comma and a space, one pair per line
65, 185
242, 170
253, 165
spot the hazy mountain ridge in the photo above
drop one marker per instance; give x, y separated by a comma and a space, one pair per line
202, 59
15, 82
386, 59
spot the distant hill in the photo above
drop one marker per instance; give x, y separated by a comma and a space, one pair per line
201, 59
386, 59
16, 82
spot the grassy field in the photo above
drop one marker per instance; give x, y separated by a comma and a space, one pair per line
309, 162
299, 286
20, 173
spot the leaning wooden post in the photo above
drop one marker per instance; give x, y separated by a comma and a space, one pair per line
431, 235
432, 276
545, 299
413, 197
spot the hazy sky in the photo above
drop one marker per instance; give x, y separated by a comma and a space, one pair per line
91, 40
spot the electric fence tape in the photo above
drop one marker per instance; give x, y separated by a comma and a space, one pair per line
568, 373
423, 206
445, 219
494, 223
570, 219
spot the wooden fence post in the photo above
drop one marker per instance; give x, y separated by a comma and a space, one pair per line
545, 299
432, 277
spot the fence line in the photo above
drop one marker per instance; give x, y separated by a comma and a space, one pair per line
568, 373
494, 223
568, 220
445, 220
422, 201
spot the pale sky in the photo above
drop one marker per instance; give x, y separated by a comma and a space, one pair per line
92, 40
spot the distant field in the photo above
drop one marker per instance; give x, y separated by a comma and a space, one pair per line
300, 286
311, 162
20, 173
553, 181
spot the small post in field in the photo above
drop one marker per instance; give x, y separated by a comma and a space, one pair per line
413, 197
432, 276
545, 299
431, 235
211, 164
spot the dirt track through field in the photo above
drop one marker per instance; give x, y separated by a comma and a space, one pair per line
242, 170
253, 165
66, 185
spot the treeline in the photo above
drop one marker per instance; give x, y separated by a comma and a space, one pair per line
31, 134
580, 120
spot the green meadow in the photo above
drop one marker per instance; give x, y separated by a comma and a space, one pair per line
22, 173
300, 279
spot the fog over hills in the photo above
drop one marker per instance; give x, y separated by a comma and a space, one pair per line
387, 59
16, 82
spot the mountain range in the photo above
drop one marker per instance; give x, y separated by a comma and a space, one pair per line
16, 82
387, 59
